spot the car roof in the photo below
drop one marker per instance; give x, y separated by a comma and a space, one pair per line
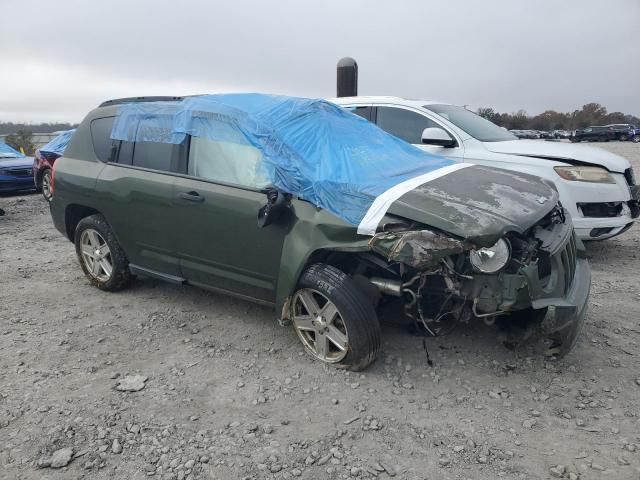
367, 99
119, 101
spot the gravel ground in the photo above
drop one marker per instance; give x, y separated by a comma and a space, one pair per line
177, 383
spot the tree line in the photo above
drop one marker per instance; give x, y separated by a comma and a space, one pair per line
13, 128
589, 115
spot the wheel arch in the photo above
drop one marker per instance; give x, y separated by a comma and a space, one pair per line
73, 214
312, 245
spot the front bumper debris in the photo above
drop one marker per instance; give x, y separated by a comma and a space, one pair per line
565, 317
565, 292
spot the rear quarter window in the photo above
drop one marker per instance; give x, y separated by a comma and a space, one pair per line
101, 137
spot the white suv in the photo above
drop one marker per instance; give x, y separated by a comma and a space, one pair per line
596, 187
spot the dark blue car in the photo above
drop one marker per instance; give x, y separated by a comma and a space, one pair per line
15, 170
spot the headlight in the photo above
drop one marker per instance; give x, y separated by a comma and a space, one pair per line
491, 259
585, 174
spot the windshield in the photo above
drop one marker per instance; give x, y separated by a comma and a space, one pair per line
473, 124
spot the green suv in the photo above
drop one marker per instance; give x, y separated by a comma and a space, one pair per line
302, 206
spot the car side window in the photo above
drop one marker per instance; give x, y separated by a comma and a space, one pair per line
101, 137
153, 155
226, 162
125, 153
403, 124
364, 112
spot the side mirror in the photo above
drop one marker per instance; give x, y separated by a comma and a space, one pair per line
277, 204
437, 136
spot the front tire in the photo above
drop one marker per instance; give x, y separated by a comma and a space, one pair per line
635, 138
102, 259
334, 320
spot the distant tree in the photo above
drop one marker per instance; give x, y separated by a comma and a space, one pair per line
590, 114
22, 141
549, 120
518, 121
614, 117
488, 113
10, 127
632, 119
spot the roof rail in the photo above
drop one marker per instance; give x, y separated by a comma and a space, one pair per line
119, 101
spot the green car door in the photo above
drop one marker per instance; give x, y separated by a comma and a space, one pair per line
218, 240
135, 193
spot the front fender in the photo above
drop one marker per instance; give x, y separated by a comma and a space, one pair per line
313, 230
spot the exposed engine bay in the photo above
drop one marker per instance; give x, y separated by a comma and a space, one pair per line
442, 281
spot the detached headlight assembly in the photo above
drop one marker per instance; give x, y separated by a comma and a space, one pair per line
491, 259
585, 174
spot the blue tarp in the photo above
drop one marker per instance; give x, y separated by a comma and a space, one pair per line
58, 145
8, 152
310, 148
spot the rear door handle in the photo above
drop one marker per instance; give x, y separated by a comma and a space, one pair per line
191, 197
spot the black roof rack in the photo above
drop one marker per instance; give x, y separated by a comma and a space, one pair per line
118, 101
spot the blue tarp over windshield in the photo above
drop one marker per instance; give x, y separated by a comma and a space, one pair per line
58, 145
8, 152
313, 149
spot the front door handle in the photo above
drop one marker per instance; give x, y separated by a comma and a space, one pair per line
191, 197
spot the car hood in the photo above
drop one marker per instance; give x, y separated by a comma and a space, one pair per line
8, 162
562, 152
479, 204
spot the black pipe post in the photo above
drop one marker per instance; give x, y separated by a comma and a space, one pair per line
347, 81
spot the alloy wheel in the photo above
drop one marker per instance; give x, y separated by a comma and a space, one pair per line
319, 325
46, 185
96, 255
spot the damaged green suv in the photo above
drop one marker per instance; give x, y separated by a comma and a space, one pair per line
300, 205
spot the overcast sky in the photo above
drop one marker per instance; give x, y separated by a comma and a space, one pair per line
61, 58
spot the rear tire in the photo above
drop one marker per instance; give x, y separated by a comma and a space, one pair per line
635, 138
102, 259
334, 320
45, 185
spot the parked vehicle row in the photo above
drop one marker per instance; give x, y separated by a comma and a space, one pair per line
606, 133
625, 131
532, 134
541, 134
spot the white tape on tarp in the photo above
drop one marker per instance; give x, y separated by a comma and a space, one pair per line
381, 204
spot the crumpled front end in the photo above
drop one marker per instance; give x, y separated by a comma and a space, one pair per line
546, 276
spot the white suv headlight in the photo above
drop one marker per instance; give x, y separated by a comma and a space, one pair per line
585, 174
491, 259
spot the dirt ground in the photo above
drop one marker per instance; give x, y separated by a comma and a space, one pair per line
230, 394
